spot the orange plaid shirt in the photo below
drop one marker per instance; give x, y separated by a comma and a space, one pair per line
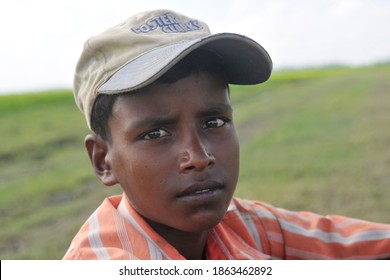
249, 230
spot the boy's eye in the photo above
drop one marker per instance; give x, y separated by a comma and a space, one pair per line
214, 123
155, 134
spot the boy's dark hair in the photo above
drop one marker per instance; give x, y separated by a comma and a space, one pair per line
200, 60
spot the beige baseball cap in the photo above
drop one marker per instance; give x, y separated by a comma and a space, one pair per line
137, 52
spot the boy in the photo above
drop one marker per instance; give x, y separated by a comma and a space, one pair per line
155, 93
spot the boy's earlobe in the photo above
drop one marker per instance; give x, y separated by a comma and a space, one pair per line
98, 152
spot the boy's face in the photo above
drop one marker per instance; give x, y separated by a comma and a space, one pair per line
175, 152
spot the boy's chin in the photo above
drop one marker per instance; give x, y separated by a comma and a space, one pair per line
201, 223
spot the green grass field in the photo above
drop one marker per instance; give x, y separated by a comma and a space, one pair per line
314, 140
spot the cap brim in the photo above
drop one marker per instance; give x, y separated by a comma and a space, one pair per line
246, 62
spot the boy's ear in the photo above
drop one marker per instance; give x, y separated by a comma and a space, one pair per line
98, 151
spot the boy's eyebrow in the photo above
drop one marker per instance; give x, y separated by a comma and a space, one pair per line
216, 110
154, 122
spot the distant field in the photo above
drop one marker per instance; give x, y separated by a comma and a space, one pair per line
314, 140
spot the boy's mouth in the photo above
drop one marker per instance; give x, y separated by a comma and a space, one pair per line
200, 189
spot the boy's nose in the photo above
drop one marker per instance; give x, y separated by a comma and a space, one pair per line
195, 157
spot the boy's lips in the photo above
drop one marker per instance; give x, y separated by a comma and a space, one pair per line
199, 189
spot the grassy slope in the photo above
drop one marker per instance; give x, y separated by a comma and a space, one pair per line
45, 175
319, 143
310, 140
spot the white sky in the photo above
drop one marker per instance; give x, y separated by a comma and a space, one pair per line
41, 40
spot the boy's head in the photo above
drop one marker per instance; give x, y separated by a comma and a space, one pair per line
137, 52
162, 118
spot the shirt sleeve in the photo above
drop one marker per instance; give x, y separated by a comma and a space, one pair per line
305, 235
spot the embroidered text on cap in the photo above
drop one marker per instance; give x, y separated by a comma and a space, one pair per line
168, 23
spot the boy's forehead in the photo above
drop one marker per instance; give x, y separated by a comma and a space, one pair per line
163, 99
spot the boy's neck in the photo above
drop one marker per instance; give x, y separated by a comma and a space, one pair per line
191, 246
